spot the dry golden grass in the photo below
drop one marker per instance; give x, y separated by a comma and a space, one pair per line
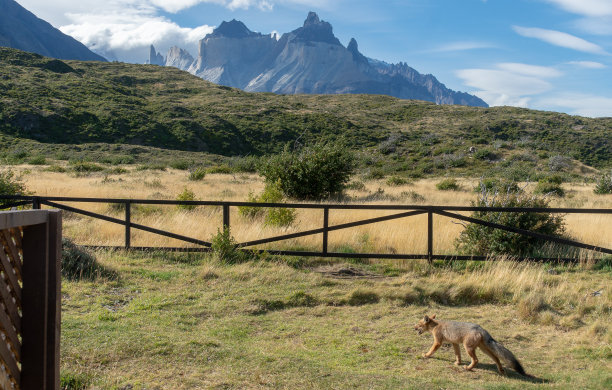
406, 235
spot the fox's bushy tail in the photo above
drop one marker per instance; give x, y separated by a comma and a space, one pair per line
504, 354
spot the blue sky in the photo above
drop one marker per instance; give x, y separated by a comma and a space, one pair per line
543, 54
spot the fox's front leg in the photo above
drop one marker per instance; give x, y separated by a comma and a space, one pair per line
437, 343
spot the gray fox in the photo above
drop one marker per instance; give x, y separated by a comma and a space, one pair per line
471, 336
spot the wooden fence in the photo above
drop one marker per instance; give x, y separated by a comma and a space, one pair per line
30, 254
403, 211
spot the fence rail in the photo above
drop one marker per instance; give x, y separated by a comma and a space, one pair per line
403, 211
30, 246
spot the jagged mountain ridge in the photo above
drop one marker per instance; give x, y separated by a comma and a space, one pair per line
308, 60
21, 29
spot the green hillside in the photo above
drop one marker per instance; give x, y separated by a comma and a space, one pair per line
47, 104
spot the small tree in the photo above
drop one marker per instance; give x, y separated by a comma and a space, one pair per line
10, 185
482, 240
604, 184
311, 173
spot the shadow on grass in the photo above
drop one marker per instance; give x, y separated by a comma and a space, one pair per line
510, 373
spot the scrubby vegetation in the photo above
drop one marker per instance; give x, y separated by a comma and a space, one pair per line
311, 172
10, 184
483, 240
604, 184
111, 112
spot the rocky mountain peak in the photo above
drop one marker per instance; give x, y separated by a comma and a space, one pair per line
232, 29
155, 58
316, 30
312, 19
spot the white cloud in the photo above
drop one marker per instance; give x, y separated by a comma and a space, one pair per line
127, 36
588, 64
594, 8
561, 39
580, 104
530, 70
463, 46
596, 26
509, 84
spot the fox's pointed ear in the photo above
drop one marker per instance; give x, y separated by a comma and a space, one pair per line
426, 319
433, 316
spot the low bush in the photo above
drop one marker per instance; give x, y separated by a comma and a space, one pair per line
224, 248
448, 185
224, 169
197, 174
181, 165
186, 195
485, 154
38, 160
397, 181
85, 167
362, 297
10, 185
273, 216
604, 184
356, 185
313, 172
482, 240
497, 185
550, 185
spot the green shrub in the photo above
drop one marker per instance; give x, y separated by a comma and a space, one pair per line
375, 174
186, 195
604, 184
55, 168
78, 263
485, 154
180, 165
550, 186
313, 173
225, 169
448, 185
481, 240
85, 167
224, 248
356, 186
273, 216
70, 381
197, 174
497, 185
38, 160
10, 185
397, 181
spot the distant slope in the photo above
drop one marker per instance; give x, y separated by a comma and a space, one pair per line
21, 29
72, 102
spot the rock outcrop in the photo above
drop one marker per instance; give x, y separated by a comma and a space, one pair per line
309, 60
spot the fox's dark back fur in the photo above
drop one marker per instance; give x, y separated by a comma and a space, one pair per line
503, 353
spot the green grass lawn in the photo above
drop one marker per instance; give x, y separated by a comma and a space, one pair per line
187, 322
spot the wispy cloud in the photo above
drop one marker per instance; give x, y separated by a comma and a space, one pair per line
463, 46
579, 104
588, 64
512, 84
594, 8
561, 39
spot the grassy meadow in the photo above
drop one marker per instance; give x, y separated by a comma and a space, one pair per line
407, 235
189, 321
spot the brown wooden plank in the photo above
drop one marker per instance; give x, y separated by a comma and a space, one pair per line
10, 305
10, 276
17, 237
54, 278
34, 319
12, 219
9, 362
12, 251
6, 326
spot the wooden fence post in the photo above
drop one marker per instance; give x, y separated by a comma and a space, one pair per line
54, 299
128, 224
325, 227
429, 236
35, 311
226, 217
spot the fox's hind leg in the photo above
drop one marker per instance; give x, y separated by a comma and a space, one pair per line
486, 350
470, 348
457, 354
